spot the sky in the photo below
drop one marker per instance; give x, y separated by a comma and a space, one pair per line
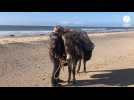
66, 18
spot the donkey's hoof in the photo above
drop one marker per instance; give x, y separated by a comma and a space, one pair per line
56, 85
69, 82
74, 82
85, 71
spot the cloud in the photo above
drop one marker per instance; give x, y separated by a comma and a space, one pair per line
126, 25
65, 22
74, 22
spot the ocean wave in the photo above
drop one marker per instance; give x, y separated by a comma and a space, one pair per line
106, 30
22, 33
94, 29
46, 32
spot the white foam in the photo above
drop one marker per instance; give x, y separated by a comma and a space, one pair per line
21, 33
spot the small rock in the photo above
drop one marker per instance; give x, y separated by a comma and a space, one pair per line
12, 35
43, 78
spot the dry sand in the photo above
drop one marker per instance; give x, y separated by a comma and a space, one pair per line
24, 61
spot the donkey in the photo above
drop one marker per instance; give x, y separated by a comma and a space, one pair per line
77, 46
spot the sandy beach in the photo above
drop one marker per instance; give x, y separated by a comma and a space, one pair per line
24, 62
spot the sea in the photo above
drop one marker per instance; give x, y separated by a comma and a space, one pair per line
19, 30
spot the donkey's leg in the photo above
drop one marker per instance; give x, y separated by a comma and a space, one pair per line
69, 61
69, 71
84, 63
79, 65
74, 68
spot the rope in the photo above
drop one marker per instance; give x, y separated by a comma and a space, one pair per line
60, 66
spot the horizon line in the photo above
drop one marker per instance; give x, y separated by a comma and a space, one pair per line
67, 25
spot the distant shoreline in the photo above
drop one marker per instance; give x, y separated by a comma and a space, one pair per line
46, 33
110, 33
27, 39
9, 30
